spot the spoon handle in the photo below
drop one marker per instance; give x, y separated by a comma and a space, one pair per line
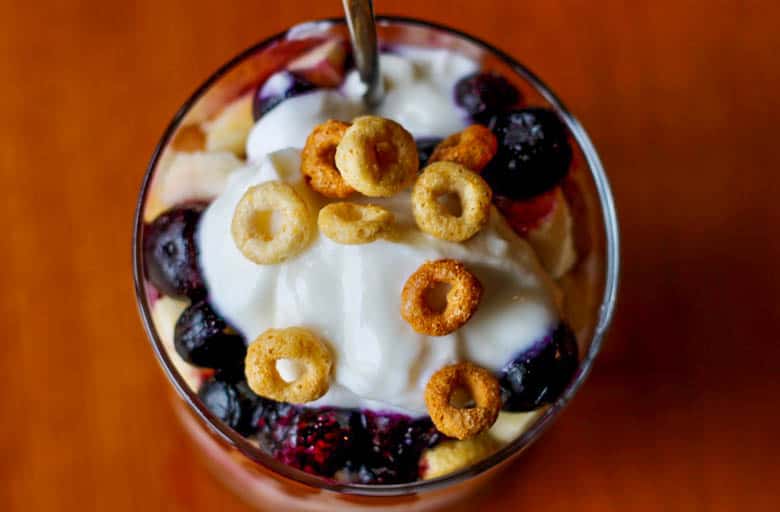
362, 30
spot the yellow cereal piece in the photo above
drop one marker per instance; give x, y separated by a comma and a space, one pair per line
439, 179
252, 232
377, 157
352, 223
294, 343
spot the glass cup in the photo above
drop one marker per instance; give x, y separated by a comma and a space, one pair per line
590, 287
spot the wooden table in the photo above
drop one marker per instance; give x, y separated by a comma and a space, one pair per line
682, 100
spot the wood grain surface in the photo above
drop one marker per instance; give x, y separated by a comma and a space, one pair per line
682, 100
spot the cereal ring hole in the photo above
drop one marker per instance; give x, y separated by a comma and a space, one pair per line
266, 224
328, 154
436, 296
349, 213
461, 398
386, 153
451, 202
466, 394
290, 370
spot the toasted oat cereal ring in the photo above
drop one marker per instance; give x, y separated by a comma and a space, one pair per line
251, 229
352, 223
439, 179
457, 422
298, 344
473, 148
318, 164
462, 297
377, 157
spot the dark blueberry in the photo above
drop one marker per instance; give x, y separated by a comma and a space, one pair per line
364, 447
232, 402
540, 374
485, 94
390, 447
275, 422
533, 153
276, 89
233, 373
425, 147
171, 253
203, 338
321, 442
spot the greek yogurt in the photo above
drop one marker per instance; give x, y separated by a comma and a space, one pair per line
350, 295
418, 85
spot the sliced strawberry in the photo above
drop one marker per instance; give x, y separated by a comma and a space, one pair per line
323, 65
525, 215
205, 374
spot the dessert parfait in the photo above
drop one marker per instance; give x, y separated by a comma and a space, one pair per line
370, 295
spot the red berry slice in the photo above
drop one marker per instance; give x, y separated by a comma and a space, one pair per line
524, 215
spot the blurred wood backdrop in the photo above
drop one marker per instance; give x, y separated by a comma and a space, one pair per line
682, 99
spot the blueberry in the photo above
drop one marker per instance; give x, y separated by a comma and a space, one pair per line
364, 447
171, 252
276, 89
484, 95
234, 373
321, 441
204, 339
390, 447
275, 422
533, 153
425, 147
540, 375
232, 402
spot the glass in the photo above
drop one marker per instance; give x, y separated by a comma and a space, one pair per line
257, 476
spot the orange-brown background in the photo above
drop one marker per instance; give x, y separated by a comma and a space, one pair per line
682, 100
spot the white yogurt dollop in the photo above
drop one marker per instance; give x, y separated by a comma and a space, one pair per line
350, 295
419, 95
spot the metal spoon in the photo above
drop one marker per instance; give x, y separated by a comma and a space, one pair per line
362, 30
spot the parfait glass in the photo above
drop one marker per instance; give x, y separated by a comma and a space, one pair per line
590, 287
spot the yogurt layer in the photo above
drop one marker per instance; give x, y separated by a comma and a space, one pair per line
419, 95
350, 295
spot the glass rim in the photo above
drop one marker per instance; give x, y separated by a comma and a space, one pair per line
606, 309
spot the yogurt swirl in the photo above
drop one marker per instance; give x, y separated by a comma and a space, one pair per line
351, 294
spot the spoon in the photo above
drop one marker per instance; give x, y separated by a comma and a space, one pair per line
362, 31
